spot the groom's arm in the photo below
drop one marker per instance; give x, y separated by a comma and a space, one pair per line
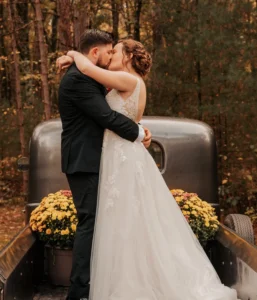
88, 97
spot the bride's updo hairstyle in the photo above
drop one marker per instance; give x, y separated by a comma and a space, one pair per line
141, 60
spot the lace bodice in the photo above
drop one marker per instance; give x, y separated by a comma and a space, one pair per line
128, 107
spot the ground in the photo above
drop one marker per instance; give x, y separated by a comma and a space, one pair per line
11, 222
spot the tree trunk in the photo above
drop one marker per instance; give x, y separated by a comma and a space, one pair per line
17, 88
81, 20
21, 12
6, 75
65, 41
43, 58
2, 53
156, 27
127, 16
54, 30
115, 19
198, 65
137, 13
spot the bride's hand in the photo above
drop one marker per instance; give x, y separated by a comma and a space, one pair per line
72, 53
63, 62
81, 61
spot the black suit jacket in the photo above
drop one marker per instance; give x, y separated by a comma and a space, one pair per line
85, 114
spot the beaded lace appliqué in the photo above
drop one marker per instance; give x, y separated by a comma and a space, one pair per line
128, 108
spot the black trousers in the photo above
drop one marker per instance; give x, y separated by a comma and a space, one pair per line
84, 187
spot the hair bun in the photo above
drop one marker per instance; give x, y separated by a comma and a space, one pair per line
141, 60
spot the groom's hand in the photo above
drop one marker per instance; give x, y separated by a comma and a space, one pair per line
148, 137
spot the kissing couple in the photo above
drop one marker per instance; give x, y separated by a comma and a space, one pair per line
132, 241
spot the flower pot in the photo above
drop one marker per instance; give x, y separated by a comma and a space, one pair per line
59, 263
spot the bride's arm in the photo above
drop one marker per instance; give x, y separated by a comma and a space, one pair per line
122, 81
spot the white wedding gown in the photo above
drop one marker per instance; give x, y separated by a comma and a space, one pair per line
143, 247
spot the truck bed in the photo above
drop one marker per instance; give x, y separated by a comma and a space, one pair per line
49, 292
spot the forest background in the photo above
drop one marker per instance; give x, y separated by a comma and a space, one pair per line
204, 67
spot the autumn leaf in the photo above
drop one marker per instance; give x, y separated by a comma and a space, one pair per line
249, 177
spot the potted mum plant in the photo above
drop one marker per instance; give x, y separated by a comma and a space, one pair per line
55, 221
200, 215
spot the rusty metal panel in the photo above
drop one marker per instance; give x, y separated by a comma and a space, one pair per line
20, 267
10, 255
188, 146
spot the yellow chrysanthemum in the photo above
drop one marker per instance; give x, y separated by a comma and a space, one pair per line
56, 214
48, 231
65, 231
59, 217
34, 227
199, 214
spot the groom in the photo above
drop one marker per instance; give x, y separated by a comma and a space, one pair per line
85, 114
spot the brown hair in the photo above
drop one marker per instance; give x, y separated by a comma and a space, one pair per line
141, 60
93, 38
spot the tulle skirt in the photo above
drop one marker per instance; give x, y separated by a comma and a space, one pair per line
143, 247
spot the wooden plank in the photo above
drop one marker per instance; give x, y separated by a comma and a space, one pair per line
238, 246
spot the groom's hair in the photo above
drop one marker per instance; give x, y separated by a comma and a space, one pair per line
93, 38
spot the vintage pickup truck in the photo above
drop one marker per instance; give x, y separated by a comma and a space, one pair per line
185, 152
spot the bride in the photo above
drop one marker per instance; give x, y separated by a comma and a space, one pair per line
143, 247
